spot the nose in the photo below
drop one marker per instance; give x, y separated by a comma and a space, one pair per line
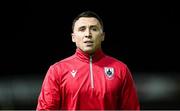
88, 33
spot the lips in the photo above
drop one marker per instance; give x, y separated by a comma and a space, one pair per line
88, 43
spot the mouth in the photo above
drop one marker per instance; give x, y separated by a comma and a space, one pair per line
89, 43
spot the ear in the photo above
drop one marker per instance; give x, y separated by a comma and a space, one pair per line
103, 36
73, 37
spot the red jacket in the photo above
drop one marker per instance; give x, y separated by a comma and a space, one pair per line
81, 81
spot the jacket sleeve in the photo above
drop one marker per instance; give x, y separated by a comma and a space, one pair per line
49, 98
129, 98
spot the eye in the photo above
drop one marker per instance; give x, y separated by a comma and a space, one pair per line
82, 28
94, 28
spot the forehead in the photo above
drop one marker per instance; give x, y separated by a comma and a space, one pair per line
87, 21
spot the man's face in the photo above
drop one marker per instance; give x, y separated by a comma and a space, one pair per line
88, 34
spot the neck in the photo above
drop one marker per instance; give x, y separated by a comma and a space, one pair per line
91, 52
84, 56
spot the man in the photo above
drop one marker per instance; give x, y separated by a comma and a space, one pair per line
89, 79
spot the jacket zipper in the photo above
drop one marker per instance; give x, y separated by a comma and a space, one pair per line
91, 73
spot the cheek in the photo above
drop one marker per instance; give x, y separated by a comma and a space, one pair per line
78, 41
98, 38
79, 37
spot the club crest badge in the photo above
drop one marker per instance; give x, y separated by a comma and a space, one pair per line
109, 72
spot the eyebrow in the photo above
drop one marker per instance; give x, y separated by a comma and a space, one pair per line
94, 26
90, 26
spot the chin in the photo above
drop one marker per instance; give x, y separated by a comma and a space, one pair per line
89, 51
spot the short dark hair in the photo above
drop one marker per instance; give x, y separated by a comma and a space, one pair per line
87, 14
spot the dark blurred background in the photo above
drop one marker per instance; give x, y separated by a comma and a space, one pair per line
144, 35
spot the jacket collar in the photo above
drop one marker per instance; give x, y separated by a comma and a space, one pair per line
86, 57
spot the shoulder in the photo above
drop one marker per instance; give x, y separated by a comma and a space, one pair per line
115, 61
62, 63
60, 66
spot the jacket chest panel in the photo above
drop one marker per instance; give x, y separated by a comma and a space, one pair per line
79, 82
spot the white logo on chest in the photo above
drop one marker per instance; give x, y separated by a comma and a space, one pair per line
109, 72
73, 73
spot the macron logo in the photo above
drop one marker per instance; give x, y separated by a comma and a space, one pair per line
73, 73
